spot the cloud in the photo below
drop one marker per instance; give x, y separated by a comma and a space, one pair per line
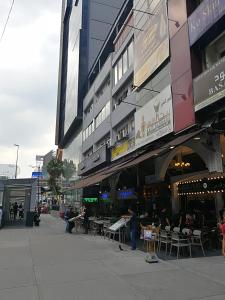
28, 79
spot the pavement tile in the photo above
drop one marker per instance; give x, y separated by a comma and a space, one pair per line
20, 293
174, 284
45, 263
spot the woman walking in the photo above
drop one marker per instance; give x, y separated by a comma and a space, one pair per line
222, 228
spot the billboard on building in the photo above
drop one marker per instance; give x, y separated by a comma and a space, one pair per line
123, 149
206, 14
209, 87
151, 43
155, 119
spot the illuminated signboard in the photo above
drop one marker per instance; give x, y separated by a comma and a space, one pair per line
105, 196
90, 200
126, 194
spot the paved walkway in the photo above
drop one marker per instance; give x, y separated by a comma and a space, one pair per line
44, 263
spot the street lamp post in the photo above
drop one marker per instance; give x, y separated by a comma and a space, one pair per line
17, 152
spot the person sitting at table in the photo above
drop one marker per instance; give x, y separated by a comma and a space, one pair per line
222, 228
189, 220
179, 220
164, 218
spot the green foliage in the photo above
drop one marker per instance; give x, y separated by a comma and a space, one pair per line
55, 170
69, 169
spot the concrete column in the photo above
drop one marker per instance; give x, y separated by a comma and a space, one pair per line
175, 199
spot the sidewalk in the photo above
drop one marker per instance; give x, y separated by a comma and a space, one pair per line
45, 263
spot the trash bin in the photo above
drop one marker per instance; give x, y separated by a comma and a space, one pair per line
30, 218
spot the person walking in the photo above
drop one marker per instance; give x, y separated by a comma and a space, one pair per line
70, 223
15, 210
222, 228
21, 211
133, 227
87, 214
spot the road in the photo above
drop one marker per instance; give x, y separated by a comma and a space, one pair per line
45, 263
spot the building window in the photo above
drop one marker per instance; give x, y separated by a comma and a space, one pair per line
215, 51
124, 62
103, 141
130, 54
120, 68
103, 114
123, 133
88, 131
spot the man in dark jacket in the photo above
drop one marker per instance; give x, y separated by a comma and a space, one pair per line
133, 227
70, 224
87, 214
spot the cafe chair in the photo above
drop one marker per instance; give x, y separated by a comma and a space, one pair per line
196, 240
176, 229
168, 228
164, 238
186, 231
178, 241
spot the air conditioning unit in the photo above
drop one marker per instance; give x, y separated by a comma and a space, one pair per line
125, 135
109, 143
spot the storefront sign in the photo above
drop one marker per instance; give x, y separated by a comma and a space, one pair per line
123, 149
209, 87
206, 14
126, 194
151, 46
90, 200
120, 149
105, 197
155, 119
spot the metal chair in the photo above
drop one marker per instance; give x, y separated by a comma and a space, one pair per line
196, 240
164, 238
176, 229
178, 242
168, 229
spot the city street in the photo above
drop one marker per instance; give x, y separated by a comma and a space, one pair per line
45, 263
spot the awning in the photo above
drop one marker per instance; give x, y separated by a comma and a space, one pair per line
108, 171
156, 152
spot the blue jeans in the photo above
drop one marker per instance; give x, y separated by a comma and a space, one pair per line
133, 238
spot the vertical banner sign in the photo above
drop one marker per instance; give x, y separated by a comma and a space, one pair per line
151, 42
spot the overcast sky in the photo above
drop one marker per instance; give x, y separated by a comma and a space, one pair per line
28, 80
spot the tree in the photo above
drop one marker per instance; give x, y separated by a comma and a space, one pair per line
55, 170
69, 169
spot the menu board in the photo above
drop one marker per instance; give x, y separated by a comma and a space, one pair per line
120, 223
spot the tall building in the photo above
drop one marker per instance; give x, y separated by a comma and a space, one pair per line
84, 27
152, 111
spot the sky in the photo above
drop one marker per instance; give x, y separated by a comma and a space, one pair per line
29, 59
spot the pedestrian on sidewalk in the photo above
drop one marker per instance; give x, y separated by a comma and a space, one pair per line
21, 211
70, 223
133, 227
222, 228
87, 214
15, 210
